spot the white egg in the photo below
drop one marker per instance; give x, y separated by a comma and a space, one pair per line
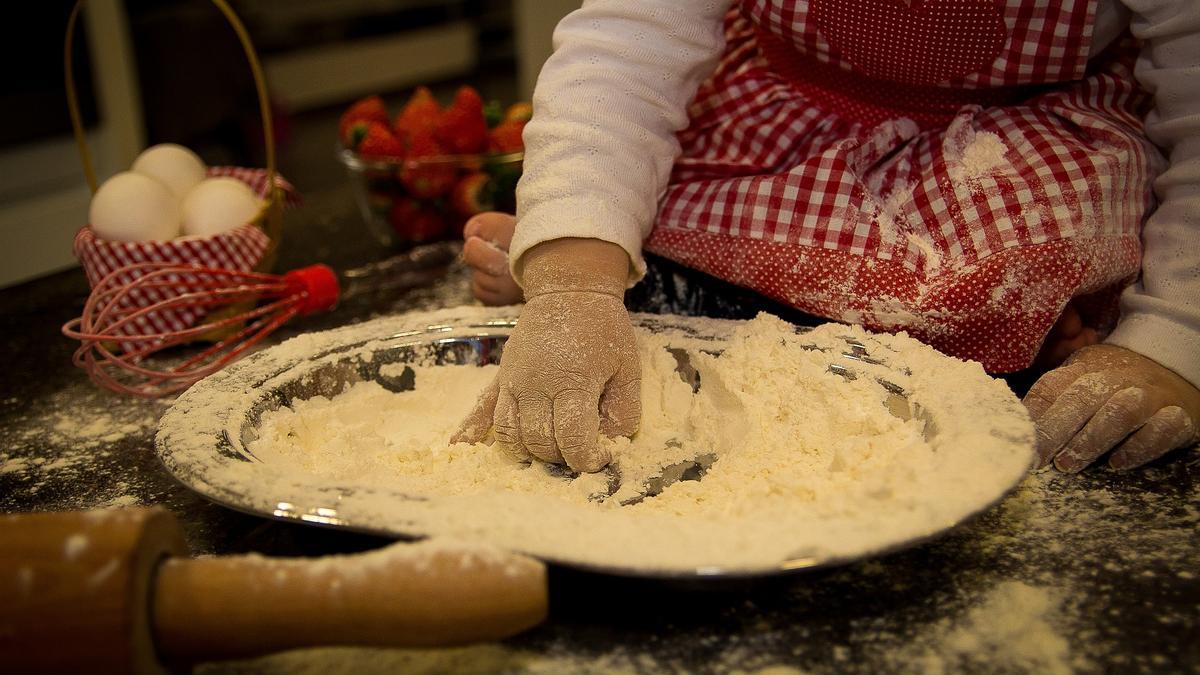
217, 205
180, 168
134, 207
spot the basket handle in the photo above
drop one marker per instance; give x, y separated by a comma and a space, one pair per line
260, 84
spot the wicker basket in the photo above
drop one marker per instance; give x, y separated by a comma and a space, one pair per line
251, 246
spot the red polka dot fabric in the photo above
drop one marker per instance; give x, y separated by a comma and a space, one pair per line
1040, 41
926, 43
968, 216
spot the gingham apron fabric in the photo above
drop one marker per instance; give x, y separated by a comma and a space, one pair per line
238, 249
956, 169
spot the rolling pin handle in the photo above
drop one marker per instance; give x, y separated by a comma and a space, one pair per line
75, 589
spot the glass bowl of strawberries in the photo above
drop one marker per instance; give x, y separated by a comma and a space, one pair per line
419, 176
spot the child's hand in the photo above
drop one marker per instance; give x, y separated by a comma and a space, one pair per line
1068, 336
488, 236
570, 370
1103, 395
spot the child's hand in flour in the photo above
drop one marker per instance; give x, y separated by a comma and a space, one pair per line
570, 371
487, 238
1107, 396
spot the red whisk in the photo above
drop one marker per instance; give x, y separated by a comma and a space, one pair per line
120, 327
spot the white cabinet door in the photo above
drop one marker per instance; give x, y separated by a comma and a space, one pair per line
44, 198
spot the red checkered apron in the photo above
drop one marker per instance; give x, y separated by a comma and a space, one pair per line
956, 169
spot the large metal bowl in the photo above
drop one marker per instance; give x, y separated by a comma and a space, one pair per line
202, 440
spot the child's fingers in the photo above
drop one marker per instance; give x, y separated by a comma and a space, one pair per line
507, 426
1069, 323
621, 402
577, 430
488, 236
495, 291
1071, 411
1049, 387
493, 226
537, 427
1168, 429
1058, 349
489, 298
486, 283
485, 257
1121, 415
478, 422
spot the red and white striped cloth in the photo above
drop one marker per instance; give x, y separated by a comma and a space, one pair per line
238, 249
952, 168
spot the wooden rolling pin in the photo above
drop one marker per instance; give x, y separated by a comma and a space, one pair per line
114, 591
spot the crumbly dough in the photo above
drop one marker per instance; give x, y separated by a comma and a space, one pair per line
811, 464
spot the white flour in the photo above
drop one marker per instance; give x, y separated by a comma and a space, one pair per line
983, 155
63, 440
1014, 626
1037, 585
417, 558
485, 659
811, 466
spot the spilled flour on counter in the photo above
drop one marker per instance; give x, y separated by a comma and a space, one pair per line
483, 659
1071, 573
1014, 626
810, 464
72, 448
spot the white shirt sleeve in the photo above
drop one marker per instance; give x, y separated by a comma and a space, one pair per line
1161, 312
608, 102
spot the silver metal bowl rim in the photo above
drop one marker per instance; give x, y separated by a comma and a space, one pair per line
354, 161
312, 515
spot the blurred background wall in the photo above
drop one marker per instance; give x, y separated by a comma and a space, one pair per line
153, 71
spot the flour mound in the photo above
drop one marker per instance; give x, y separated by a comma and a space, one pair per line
813, 464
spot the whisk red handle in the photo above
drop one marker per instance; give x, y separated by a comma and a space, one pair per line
140, 309
317, 285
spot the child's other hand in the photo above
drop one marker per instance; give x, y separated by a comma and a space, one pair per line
570, 370
1108, 397
1068, 336
487, 238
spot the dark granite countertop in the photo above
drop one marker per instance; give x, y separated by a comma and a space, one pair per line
1089, 573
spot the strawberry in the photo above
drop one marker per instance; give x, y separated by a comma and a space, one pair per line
353, 132
473, 194
353, 125
461, 129
520, 112
419, 115
380, 142
493, 113
506, 137
414, 222
426, 179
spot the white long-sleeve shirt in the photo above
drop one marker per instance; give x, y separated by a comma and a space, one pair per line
611, 98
